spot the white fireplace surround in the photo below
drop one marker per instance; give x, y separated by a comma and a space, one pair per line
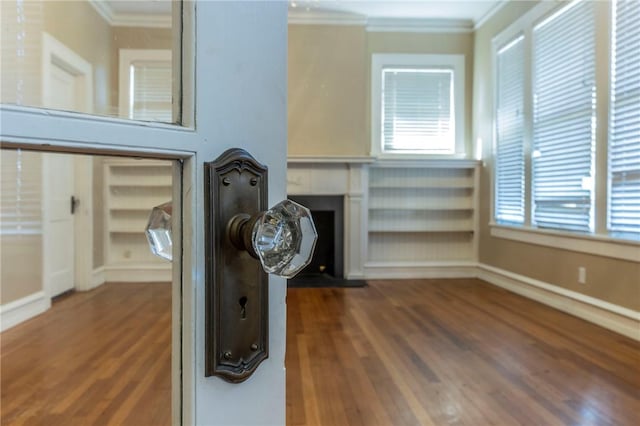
344, 176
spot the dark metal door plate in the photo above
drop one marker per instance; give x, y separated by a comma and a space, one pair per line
236, 336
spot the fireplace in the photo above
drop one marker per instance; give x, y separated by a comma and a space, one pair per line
328, 216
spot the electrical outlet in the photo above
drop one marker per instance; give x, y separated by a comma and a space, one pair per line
582, 275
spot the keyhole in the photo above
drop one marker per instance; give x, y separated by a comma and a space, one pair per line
243, 307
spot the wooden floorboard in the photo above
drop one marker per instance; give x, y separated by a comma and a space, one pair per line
403, 352
97, 358
463, 352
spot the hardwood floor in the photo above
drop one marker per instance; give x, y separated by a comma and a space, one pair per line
413, 352
463, 352
96, 358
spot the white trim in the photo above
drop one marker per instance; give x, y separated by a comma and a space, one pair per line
497, 7
18, 311
613, 317
55, 52
97, 277
420, 25
130, 19
293, 159
137, 273
590, 244
302, 17
430, 162
400, 270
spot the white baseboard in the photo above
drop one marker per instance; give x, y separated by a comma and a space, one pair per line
13, 313
613, 317
408, 270
97, 278
137, 273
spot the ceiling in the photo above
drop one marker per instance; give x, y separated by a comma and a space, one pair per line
472, 11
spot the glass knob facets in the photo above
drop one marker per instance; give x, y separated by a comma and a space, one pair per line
158, 231
284, 238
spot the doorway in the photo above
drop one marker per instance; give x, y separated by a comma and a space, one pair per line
108, 338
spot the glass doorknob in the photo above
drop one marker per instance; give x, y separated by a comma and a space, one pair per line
283, 238
158, 231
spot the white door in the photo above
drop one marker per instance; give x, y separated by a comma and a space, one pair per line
239, 97
67, 85
58, 226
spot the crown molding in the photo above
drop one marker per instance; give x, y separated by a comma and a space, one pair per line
489, 14
130, 19
410, 25
418, 25
303, 17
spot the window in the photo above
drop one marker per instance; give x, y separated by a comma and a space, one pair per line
561, 161
564, 101
418, 104
20, 197
509, 200
145, 84
624, 137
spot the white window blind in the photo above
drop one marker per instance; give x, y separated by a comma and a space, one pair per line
20, 199
150, 91
418, 110
564, 119
509, 200
624, 139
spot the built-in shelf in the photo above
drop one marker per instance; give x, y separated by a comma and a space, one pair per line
420, 215
131, 189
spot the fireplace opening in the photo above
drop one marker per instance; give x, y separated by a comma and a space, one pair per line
328, 217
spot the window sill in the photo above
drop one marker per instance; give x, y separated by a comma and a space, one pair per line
591, 244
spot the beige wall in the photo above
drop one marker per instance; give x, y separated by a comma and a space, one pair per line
329, 83
20, 266
611, 280
77, 25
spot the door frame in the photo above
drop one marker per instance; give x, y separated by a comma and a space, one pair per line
54, 52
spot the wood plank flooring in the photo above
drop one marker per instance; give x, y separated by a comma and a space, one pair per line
461, 352
96, 358
411, 352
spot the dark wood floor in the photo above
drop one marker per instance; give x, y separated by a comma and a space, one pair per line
415, 352
96, 358
461, 352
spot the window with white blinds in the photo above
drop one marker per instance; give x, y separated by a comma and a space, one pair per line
417, 105
624, 130
145, 84
510, 155
418, 110
150, 91
21, 192
564, 119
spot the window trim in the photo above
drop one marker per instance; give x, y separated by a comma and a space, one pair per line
455, 62
600, 242
126, 58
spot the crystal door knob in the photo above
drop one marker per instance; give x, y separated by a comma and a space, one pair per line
158, 231
283, 238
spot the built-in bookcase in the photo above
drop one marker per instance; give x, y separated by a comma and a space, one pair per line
131, 189
421, 215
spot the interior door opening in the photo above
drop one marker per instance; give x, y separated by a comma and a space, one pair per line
101, 352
